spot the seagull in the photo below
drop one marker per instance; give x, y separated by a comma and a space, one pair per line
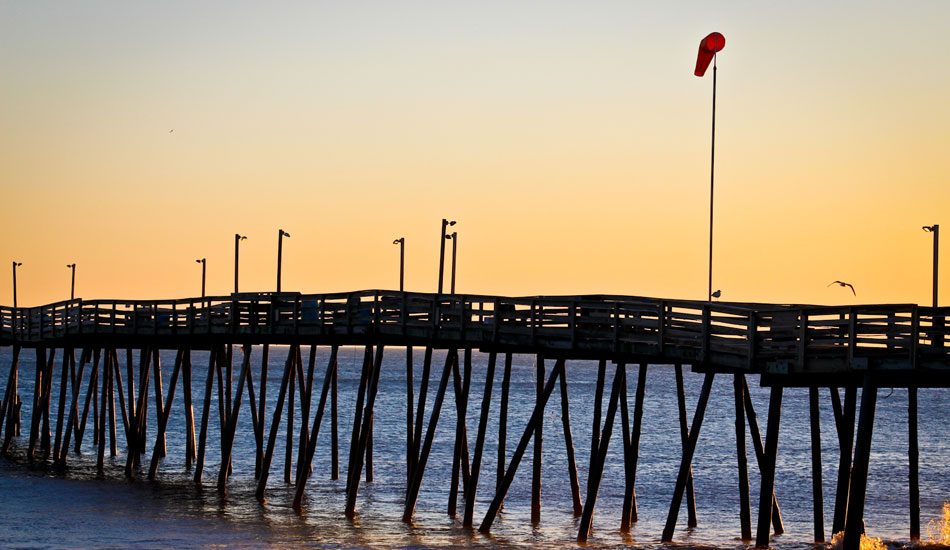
716, 294
842, 283
172, 130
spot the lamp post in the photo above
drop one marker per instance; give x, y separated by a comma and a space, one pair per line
445, 223
15, 265
280, 248
237, 246
72, 284
401, 241
203, 272
454, 237
935, 229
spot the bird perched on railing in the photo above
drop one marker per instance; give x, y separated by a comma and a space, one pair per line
716, 294
842, 283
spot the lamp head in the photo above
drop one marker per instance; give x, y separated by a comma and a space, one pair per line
284, 233
71, 265
399, 240
240, 237
929, 228
17, 264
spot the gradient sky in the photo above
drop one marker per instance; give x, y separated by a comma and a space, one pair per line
569, 139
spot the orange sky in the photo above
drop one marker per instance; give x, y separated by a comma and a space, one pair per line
570, 141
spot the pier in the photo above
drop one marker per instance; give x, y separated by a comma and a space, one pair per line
827, 349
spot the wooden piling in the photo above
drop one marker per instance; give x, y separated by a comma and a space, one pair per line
686, 465
635, 436
110, 402
845, 446
272, 438
40, 368
106, 384
742, 460
62, 445
365, 430
304, 468
420, 413
306, 393
157, 374
778, 526
461, 436
90, 396
117, 374
684, 435
536, 417
598, 405
818, 506
410, 431
9, 398
357, 417
262, 397
913, 462
596, 470
334, 428
569, 443
205, 413
537, 445
503, 422
413, 492
479, 443
767, 468
854, 523
627, 457
289, 445
228, 435
190, 450
162, 419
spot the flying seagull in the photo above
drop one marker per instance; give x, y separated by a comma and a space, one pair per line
842, 283
172, 130
716, 294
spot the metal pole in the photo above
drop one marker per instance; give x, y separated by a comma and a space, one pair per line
203, 263
72, 285
455, 242
712, 172
14, 284
445, 222
237, 243
936, 232
402, 261
280, 249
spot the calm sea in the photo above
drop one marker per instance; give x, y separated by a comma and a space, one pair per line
41, 509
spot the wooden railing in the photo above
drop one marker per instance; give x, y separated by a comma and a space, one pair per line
745, 336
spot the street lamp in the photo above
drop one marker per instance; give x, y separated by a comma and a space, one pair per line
203, 271
401, 241
15, 265
935, 229
237, 241
72, 285
280, 247
445, 223
454, 237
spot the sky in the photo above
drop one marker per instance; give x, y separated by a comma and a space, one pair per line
569, 140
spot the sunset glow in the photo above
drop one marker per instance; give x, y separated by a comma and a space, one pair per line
569, 140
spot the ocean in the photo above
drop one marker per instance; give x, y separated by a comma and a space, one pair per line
42, 508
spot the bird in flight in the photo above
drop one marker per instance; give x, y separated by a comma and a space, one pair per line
842, 283
172, 130
716, 294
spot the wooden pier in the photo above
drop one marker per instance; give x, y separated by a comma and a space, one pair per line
839, 348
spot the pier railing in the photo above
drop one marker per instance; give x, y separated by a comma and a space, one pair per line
754, 337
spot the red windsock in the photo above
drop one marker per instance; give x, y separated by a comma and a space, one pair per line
707, 49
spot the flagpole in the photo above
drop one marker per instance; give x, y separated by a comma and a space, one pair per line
712, 179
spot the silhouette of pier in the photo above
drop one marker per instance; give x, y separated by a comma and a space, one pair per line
839, 348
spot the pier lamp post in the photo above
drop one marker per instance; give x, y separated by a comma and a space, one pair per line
15, 265
454, 237
237, 246
280, 248
445, 223
72, 284
935, 229
203, 272
401, 241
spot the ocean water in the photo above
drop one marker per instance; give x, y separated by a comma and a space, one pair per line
43, 508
